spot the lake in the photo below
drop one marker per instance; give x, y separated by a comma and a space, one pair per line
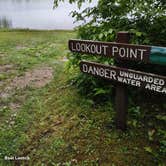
37, 14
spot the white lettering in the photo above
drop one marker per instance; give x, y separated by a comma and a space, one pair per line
164, 90
78, 48
87, 48
85, 68
133, 53
105, 49
72, 47
122, 52
114, 50
142, 53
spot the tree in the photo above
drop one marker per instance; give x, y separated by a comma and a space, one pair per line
145, 19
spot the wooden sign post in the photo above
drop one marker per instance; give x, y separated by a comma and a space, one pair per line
121, 50
121, 95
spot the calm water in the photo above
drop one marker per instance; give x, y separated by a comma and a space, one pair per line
36, 14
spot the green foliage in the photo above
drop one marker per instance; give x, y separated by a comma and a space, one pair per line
56, 126
144, 19
57, 144
23, 50
79, 2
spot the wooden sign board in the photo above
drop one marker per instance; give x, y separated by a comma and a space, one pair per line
121, 51
139, 79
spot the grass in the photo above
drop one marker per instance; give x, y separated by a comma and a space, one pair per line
57, 126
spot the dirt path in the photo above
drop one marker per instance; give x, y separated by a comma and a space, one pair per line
35, 78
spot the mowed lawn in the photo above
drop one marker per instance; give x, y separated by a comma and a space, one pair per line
45, 121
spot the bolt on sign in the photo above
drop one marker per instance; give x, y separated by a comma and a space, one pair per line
139, 79
138, 53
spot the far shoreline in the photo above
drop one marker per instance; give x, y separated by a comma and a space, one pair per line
35, 30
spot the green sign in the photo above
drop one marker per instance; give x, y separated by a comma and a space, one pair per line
158, 55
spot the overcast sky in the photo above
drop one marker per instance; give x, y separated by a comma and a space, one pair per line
38, 14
